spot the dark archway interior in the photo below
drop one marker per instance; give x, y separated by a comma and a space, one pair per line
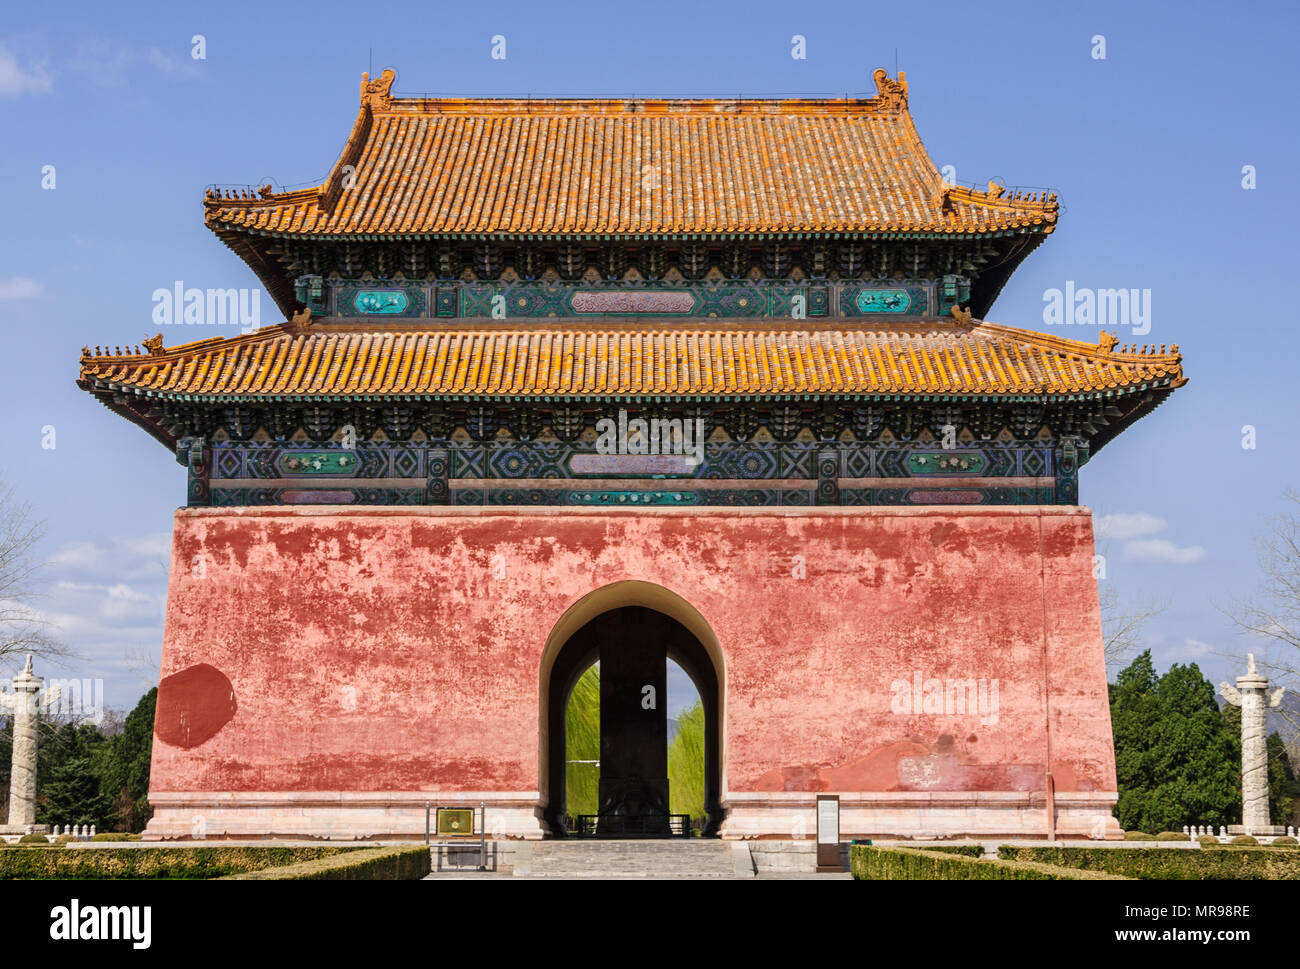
632, 644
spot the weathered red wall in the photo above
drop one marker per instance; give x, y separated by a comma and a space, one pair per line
399, 649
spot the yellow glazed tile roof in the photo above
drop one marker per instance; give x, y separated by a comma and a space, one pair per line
641, 359
453, 166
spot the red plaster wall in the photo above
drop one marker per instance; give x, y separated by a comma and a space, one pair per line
385, 649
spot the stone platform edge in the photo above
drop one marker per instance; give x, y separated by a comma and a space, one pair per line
517, 815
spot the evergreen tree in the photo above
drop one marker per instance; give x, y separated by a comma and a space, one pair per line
582, 743
1283, 786
68, 778
124, 767
1176, 758
686, 764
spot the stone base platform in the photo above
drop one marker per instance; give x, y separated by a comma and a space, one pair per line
20, 829
352, 816
1258, 830
926, 815
333, 815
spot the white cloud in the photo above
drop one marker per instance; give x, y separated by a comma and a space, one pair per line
106, 600
20, 287
1163, 550
122, 559
1194, 647
19, 79
1122, 527
103, 61
170, 64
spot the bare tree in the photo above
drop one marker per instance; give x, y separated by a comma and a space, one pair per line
141, 661
1274, 613
1122, 624
22, 628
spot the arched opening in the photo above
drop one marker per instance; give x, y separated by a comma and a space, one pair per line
635, 643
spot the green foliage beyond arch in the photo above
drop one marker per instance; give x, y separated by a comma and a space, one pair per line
582, 743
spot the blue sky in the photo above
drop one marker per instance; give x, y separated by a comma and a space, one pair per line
1145, 147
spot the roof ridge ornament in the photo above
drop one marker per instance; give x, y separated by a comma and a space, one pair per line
154, 345
1106, 341
377, 94
943, 198
890, 91
301, 321
960, 315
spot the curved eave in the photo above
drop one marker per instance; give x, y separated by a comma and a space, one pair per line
105, 396
1043, 226
106, 391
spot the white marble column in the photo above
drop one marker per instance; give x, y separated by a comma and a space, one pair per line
23, 704
1251, 694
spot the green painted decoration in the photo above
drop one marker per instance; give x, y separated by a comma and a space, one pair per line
381, 302
318, 462
945, 462
883, 301
633, 498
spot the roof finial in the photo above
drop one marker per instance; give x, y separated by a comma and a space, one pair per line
154, 345
301, 320
378, 94
27, 670
1106, 341
892, 92
995, 190
960, 315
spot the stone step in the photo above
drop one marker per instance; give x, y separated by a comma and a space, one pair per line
701, 858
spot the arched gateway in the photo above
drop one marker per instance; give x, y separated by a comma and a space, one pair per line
633, 642
517, 373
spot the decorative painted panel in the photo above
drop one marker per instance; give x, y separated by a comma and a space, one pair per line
698, 299
507, 471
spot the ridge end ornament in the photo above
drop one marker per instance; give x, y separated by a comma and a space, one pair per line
377, 93
890, 91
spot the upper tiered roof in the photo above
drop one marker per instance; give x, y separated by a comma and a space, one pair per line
428, 167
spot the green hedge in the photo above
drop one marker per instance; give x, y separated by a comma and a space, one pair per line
871, 863
970, 851
369, 864
161, 862
1166, 863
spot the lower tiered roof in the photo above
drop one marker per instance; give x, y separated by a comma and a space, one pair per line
622, 360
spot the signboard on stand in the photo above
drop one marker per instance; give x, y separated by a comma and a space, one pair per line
828, 832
